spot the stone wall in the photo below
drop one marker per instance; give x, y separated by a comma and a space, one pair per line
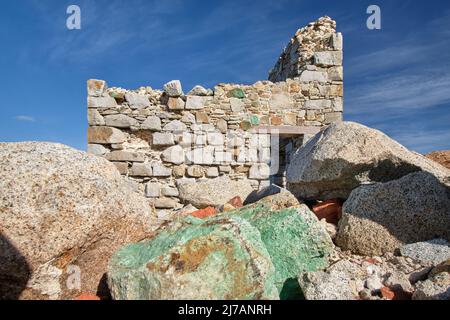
160, 139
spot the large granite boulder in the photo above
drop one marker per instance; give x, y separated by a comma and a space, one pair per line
382, 217
213, 192
346, 155
221, 258
293, 236
62, 214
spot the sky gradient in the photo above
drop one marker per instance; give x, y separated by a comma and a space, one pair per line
397, 79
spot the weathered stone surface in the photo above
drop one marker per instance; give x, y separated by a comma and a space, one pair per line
195, 171
259, 171
96, 88
95, 118
122, 167
163, 139
317, 104
280, 101
165, 203
125, 156
152, 123
294, 238
204, 213
436, 287
195, 102
120, 121
137, 101
97, 149
431, 252
173, 155
338, 282
101, 102
328, 58
176, 104
161, 171
204, 156
212, 172
141, 170
170, 192
105, 135
441, 157
61, 208
380, 218
191, 259
175, 126
152, 190
173, 88
198, 91
318, 76
346, 155
236, 93
214, 192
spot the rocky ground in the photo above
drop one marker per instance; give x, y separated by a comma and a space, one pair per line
364, 219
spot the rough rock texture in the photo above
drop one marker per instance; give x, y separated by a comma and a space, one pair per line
293, 236
431, 252
435, 288
222, 258
61, 209
441, 157
382, 217
342, 281
214, 192
346, 155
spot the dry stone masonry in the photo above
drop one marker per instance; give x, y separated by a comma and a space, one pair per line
161, 139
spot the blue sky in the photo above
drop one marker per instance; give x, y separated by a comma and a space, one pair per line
396, 79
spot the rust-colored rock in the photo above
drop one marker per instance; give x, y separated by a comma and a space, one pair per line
87, 297
441, 157
330, 210
236, 202
387, 293
204, 213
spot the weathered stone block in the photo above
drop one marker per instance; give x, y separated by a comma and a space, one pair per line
195, 102
105, 135
201, 117
120, 121
152, 123
96, 88
175, 126
161, 171
328, 58
175, 103
137, 101
195, 171
215, 139
237, 105
97, 149
165, 203
200, 156
170, 192
336, 74
125, 156
152, 190
317, 104
259, 172
319, 76
101, 102
333, 117
212, 172
141, 170
337, 41
280, 101
173, 88
163, 139
173, 155
95, 118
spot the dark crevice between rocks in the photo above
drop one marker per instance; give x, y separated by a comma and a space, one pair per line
15, 272
103, 291
291, 290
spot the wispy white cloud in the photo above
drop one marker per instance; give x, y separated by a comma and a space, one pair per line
25, 118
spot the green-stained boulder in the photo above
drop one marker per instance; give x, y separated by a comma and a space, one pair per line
221, 258
236, 93
293, 236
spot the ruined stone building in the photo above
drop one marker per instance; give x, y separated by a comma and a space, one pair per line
160, 139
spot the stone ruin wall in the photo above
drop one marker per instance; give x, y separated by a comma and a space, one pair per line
160, 139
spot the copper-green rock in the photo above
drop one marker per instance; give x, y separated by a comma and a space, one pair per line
294, 238
221, 258
236, 93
